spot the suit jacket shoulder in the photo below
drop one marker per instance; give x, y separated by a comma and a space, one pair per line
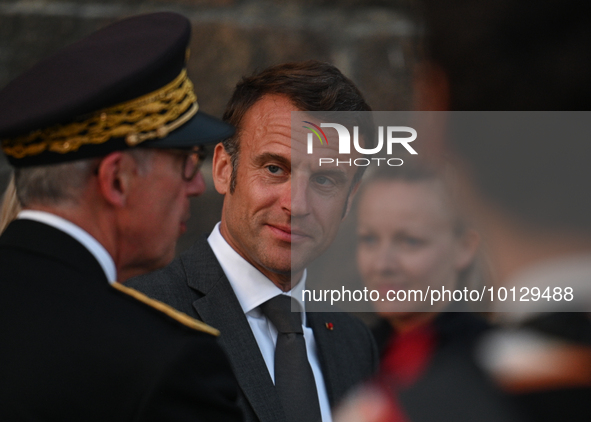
86, 351
167, 310
188, 278
196, 284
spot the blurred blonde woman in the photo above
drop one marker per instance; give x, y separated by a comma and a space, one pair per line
410, 236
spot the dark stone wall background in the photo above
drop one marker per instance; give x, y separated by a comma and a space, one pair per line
373, 42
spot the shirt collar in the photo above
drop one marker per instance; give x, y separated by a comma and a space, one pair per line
252, 288
94, 247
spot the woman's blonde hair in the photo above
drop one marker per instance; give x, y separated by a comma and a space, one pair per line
10, 205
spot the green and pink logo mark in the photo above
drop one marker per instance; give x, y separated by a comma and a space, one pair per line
316, 129
345, 138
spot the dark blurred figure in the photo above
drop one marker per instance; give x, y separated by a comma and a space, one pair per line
526, 185
507, 55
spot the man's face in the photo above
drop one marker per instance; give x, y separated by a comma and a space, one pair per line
159, 209
285, 210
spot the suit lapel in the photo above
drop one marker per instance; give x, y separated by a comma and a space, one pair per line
220, 308
329, 351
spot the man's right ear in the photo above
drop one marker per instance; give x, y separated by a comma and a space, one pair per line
221, 169
114, 174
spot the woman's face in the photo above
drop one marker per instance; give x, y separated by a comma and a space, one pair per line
407, 241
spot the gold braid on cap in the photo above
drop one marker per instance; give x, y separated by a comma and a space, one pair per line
151, 116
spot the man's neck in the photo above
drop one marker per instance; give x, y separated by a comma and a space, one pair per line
281, 279
59, 220
85, 220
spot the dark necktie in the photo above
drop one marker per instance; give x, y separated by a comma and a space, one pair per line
294, 379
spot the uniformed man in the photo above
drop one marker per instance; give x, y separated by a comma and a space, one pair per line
105, 137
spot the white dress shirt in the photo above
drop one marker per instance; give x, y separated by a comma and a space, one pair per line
94, 247
253, 289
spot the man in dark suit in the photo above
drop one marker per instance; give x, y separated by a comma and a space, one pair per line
280, 211
76, 344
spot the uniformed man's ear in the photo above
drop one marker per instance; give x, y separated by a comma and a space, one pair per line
221, 169
350, 197
114, 175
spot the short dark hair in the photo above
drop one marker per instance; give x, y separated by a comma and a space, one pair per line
511, 55
310, 85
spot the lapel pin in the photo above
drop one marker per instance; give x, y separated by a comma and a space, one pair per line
329, 326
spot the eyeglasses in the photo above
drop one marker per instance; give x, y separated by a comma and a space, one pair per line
193, 161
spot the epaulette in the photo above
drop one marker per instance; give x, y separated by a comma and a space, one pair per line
168, 310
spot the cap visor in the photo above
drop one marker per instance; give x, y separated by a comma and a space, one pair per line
201, 129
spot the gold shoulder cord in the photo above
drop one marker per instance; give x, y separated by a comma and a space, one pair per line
151, 116
168, 310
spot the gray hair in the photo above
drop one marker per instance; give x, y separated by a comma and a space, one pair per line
62, 184
55, 184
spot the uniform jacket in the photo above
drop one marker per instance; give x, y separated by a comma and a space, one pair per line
75, 348
196, 284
